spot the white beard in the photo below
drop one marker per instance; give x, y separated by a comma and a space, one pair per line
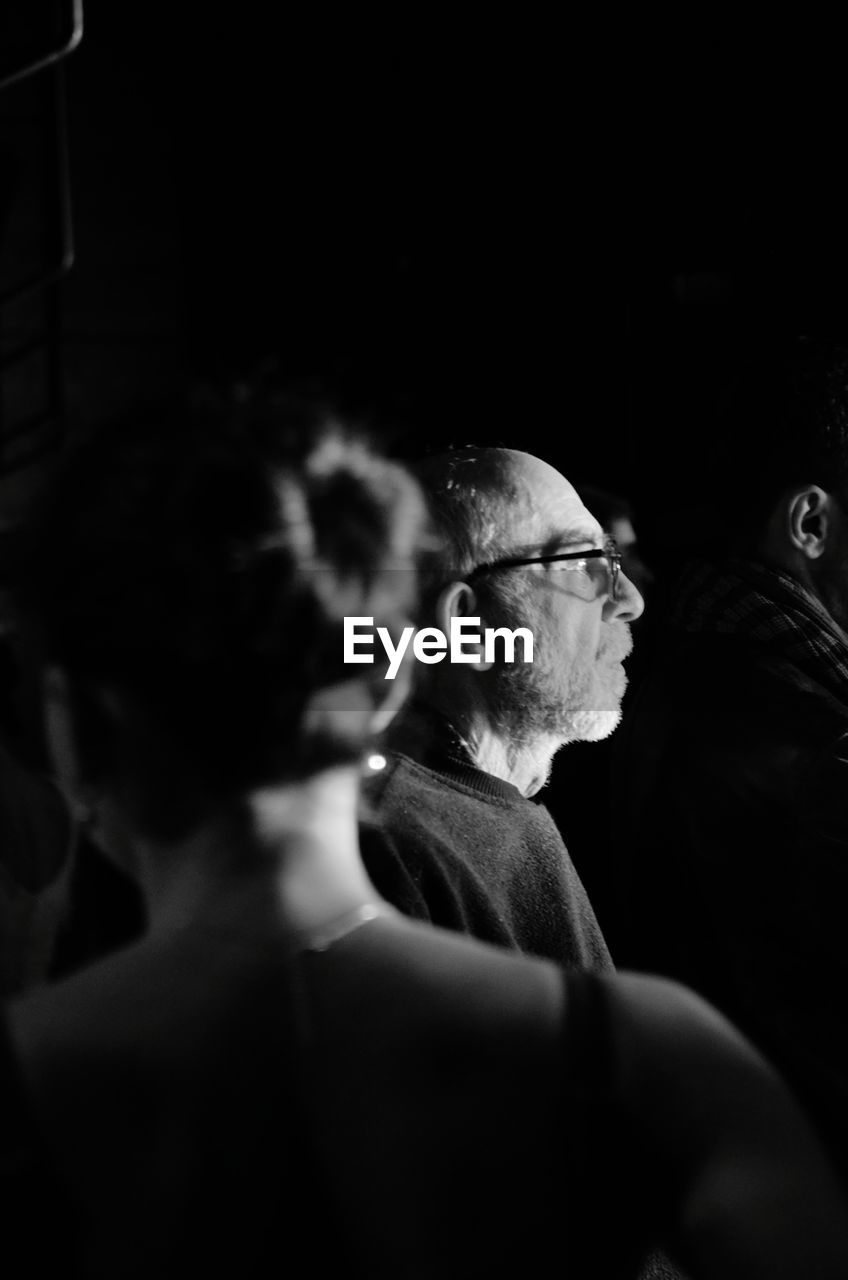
580, 705
593, 725
541, 702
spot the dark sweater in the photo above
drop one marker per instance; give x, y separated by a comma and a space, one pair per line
467, 851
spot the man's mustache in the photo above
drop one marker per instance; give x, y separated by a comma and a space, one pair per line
617, 642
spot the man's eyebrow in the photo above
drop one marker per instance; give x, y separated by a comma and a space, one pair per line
577, 534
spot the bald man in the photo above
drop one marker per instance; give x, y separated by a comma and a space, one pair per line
518, 549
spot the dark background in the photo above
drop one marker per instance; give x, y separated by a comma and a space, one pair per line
552, 237
557, 235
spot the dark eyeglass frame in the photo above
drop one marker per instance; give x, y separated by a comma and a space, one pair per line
609, 552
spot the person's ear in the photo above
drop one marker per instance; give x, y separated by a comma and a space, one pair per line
809, 515
339, 711
458, 600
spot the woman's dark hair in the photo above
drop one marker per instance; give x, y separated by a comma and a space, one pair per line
201, 562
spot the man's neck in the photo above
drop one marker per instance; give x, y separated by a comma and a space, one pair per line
527, 766
424, 731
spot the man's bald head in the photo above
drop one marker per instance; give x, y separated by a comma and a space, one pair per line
488, 503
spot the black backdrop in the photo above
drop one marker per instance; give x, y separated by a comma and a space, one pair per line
488, 230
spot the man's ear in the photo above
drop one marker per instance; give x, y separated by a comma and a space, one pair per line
458, 600
809, 515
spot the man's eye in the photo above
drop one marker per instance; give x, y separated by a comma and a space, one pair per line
563, 566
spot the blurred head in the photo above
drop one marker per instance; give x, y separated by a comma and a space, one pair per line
776, 469
189, 574
492, 505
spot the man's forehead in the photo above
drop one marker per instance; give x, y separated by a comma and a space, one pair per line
549, 508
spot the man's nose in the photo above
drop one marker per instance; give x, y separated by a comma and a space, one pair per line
629, 606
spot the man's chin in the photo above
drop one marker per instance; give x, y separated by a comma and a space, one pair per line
592, 726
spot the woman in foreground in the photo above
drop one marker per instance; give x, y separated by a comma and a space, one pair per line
283, 1073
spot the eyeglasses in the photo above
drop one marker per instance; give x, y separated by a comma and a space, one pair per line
590, 573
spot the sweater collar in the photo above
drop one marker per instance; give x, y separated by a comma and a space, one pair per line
427, 738
466, 775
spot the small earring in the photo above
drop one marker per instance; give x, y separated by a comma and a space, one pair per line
373, 763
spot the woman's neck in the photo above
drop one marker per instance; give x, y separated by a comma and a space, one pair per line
283, 855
